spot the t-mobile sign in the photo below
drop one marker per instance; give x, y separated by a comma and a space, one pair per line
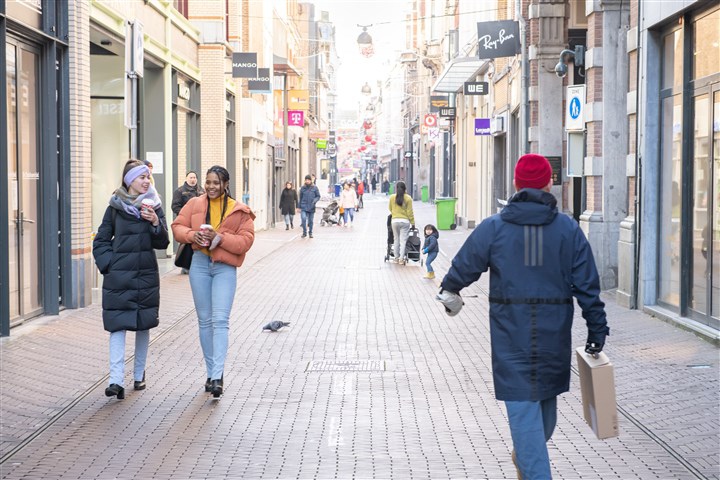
482, 126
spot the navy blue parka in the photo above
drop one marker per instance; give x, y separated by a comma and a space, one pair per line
538, 261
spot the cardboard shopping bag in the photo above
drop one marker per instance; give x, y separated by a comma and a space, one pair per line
597, 386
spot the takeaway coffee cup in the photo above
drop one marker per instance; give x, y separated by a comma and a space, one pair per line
146, 204
206, 228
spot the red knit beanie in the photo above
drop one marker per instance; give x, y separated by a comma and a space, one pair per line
532, 171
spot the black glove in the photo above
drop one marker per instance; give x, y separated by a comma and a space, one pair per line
593, 348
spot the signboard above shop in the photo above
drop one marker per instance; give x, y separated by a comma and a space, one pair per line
482, 126
244, 65
498, 39
475, 88
261, 83
448, 112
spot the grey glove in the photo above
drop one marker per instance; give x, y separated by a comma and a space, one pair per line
451, 301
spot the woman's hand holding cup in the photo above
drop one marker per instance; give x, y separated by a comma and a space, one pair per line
148, 213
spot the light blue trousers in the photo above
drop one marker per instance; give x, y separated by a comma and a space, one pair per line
117, 355
531, 426
213, 288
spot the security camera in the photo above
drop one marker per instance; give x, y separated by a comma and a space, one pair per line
561, 69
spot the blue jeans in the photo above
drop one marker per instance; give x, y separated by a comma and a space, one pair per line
428, 261
213, 288
531, 426
349, 212
307, 221
289, 218
117, 355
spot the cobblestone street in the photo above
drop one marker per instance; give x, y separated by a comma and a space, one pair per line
370, 380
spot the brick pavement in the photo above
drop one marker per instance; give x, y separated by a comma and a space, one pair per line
429, 414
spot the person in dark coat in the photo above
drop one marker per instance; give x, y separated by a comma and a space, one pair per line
288, 204
309, 196
538, 261
132, 228
431, 248
373, 182
186, 191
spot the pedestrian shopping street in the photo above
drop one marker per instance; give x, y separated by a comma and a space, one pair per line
370, 380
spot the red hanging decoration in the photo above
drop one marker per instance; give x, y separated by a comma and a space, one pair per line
373, 142
368, 138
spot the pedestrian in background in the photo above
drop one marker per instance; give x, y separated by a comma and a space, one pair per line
538, 260
349, 202
288, 204
221, 231
150, 166
403, 219
132, 228
309, 196
186, 191
431, 248
386, 187
360, 192
373, 182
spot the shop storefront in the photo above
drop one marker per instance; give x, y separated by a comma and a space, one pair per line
35, 165
186, 127
688, 202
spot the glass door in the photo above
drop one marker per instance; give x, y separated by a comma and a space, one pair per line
704, 295
22, 76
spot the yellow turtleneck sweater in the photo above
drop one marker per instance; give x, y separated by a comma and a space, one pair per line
216, 217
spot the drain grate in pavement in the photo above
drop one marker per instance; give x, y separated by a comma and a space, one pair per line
346, 366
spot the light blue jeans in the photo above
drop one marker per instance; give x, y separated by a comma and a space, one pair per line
349, 213
289, 218
117, 355
401, 230
213, 288
531, 426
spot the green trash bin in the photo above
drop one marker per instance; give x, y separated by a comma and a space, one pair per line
445, 210
392, 188
424, 193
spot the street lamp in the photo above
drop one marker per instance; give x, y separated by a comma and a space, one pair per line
365, 42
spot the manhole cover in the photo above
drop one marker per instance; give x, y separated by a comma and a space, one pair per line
346, 366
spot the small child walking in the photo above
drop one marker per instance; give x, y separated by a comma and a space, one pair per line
431, 248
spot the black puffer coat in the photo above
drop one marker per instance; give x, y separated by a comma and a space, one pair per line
124, 254
288, 201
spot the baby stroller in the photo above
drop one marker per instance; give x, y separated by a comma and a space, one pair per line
329, 216
390, 240
413, 246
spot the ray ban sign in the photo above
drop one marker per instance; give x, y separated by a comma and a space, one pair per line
498, 39
244, 65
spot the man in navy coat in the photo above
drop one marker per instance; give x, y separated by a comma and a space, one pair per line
538, 261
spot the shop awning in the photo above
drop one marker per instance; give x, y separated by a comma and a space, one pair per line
456, 73
283, 66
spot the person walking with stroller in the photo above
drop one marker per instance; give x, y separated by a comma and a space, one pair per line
538, 260
132, 228
349, 202
309, 196
431, 248
288, 204
221, 231
403, 219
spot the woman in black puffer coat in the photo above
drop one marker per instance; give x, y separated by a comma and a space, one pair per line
124, 250
288, 204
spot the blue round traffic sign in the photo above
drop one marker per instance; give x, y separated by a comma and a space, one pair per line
574, 108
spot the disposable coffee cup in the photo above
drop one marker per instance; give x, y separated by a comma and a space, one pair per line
206, 228
147, 204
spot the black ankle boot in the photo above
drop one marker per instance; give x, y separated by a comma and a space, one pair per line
287, 227
115, 390
208, 385
139, 385
217, 388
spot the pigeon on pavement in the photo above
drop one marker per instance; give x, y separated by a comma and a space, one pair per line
275, 325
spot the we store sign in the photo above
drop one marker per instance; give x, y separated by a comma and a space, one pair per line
498, 39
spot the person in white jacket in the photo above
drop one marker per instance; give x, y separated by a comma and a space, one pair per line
349, 202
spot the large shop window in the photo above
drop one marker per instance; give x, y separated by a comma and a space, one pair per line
689, 224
